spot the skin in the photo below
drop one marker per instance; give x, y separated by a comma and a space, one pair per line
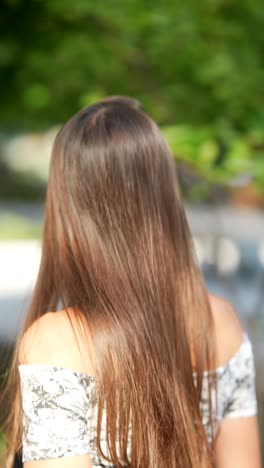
50, 340
237, 444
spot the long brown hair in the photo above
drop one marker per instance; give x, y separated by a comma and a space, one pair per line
117, 252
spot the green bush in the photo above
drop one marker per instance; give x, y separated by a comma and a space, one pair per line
197, 67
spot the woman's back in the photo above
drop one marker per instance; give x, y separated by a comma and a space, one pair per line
57, 372
117, 254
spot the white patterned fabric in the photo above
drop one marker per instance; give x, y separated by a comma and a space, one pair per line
60, 411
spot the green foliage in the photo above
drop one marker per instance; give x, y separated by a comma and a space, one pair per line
18, 227
2, 450
197, 67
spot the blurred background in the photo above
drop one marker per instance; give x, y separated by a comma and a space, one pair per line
198, 69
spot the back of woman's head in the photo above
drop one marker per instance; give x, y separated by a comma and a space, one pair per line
111, 176
117, 251
112, 198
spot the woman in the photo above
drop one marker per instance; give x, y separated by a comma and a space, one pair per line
124, 352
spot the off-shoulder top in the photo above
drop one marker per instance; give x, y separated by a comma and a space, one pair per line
60, 407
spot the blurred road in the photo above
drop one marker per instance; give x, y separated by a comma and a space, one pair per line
19, 262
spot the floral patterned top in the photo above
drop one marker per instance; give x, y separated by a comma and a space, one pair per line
60, 411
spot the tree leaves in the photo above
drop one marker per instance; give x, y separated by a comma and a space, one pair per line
197, 67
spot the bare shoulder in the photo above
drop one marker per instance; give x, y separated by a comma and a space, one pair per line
53, 340
228, 326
